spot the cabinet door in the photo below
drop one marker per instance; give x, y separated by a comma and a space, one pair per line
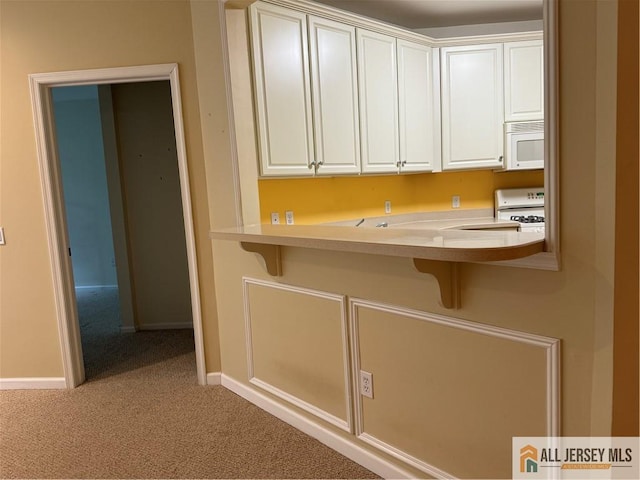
418, 107
378, 88
523, 81
472, 107
334, 87
283, 96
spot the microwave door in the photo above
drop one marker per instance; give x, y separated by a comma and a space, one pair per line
525, 151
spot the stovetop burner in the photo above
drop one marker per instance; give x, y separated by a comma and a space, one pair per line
527, 218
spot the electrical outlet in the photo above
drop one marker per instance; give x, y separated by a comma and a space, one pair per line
366, 384
387, 206
455, 201
275, 218
288, 216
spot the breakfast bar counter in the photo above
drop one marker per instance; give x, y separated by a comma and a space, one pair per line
434, 252
449, 245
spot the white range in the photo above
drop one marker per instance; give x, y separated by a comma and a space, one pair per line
523, 205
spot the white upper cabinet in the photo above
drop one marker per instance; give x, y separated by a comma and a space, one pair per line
418, 107
378, 88
523, 81
472, 107
334, 86
333, 98
282, 88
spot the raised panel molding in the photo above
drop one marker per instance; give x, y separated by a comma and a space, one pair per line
418, 107
550, 346
280, 393
472, 106
378, 88
524, 81
282, 90
334, 87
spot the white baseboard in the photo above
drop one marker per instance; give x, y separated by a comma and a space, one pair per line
214, 378
33, 383
334, 441
81, 287
127, 329
166, 326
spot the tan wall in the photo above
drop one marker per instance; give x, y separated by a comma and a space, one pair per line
151, 186
49, 36
574, 305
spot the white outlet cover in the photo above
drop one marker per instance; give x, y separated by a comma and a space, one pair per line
455, 201
366, 384
275, 218
387, 206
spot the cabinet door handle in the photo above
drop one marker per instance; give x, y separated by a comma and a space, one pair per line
312, 165
320, 163
398, 164
404, 162
500, 159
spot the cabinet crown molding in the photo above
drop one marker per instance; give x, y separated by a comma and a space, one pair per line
359, 21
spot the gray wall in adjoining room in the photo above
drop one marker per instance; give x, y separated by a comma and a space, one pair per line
81, 154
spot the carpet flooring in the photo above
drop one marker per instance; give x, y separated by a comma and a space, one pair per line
141, 414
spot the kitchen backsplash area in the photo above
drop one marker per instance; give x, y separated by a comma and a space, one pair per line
318, 200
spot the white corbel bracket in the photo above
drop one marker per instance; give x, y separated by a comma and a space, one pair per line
269, 253
447, 276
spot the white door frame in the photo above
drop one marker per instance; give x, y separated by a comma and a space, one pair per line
55, 215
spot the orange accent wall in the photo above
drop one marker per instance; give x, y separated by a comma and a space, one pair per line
316, 200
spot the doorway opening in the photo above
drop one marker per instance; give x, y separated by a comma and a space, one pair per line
120, 230
121, 189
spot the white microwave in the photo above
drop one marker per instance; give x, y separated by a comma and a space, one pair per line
524, 145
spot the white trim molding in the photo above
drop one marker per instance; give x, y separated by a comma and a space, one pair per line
94, 287
343, 445
303, 405
166, 326
33, 383
214, 378
435, 472
359, 21
64, 293
550, 345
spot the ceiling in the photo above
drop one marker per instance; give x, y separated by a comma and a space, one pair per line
415, 14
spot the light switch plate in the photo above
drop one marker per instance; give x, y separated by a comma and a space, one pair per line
288, 217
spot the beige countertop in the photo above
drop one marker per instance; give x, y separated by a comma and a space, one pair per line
444, 244
477, 219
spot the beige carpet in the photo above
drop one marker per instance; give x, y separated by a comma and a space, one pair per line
141, 414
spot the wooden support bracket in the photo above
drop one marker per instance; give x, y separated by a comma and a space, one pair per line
447, 275
269, 253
